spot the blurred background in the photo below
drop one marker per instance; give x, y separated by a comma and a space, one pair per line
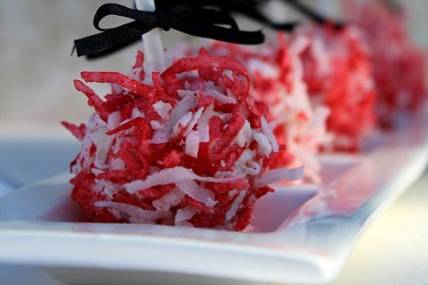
36, 73
36, 68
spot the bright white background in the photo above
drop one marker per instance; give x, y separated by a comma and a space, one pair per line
36, 71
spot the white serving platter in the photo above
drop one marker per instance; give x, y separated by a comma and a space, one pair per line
300, 235
30, 152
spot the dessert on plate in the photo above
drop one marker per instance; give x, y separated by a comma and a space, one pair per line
196, 141
399, 65
337, 69
277, 74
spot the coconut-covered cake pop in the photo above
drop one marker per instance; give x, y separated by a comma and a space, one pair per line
399, 65
337, 70
277, 74
191, 149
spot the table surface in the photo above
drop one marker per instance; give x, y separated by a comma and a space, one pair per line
392, 251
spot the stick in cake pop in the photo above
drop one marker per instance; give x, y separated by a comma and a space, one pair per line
152, 42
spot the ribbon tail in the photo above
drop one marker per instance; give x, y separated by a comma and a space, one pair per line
287, 26
231, 35
110, 40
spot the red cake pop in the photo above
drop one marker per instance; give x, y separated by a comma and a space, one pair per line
399, 65
277, 73
190, 149
338, 72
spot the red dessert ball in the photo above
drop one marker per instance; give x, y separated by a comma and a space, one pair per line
187, 147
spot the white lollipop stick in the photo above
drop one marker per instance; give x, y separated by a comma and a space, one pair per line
152, 43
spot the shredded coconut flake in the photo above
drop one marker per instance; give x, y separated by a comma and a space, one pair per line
133, 213
279, 174
246, 164
196, 192
117, 164
245, 134
192, 144
162, 135
173, 198
267, 130
162, 108
220, 97
194, 120
113, 120
171, 175
265, 146
156, 125
184, 215
235, 206
264, 68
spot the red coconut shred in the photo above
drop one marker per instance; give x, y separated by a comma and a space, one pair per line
190, 149
338, 73
277, 74
399, 66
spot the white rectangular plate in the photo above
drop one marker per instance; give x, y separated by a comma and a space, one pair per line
300, 235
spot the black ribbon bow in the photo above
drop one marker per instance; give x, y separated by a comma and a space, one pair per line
197, 21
